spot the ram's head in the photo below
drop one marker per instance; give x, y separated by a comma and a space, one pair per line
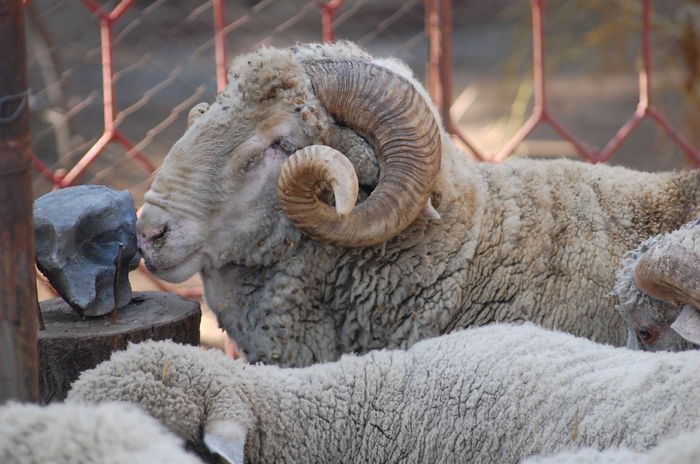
218, 191
659, 292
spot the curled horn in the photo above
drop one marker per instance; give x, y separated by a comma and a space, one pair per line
324, 163
387, 110
669, 272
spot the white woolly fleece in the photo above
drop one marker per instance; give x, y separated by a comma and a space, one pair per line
492, 394
683, 449
109, 433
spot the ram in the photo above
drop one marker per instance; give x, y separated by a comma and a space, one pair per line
297, 274
658, 289
493, 394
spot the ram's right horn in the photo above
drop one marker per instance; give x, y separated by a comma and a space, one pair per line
387, 110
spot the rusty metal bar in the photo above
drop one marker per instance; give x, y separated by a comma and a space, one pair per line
690, 151
86, 161
111, 132
645, 71
437, 57
438, 19
328, 10
19, 373
95, 8
445, 63
44, 170
220, 44
119, 10
538, 70
540, 108
644, 106
107, 74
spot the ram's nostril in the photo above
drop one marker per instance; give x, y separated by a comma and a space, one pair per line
159, 235
152, 234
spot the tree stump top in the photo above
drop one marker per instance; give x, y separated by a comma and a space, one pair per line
72, 343
146, 309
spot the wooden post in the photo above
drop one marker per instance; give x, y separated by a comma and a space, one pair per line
18, 302
71, 344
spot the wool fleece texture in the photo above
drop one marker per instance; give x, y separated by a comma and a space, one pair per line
683, 449
108, 433
493, 394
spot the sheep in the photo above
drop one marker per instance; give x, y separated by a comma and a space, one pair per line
437, 242
109, 433
593, 456
658, 290
683, 449
496, 393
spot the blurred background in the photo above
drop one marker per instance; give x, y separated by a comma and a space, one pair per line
163, 59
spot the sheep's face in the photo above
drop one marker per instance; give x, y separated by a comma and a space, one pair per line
657, 289
189, 390
649, 323
215, 195
214, 200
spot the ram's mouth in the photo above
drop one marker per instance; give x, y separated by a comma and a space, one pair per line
169, 273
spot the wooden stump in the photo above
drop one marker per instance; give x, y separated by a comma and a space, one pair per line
71, 344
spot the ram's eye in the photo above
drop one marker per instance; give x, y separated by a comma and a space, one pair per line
645, 335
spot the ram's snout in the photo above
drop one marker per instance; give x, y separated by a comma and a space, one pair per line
152, 228
170, 247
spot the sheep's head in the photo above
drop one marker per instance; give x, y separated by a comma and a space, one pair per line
659, 292
198, 394
217, 191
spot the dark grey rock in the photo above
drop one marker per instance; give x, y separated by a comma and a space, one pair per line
78, 231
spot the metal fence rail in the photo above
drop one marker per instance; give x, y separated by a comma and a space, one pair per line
197, 36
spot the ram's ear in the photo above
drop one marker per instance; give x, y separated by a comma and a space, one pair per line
226, 437
429, 213
687, 324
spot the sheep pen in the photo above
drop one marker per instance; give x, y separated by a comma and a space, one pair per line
252, 198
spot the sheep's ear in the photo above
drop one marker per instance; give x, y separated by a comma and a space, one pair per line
687, 324
226, 438
429, 213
